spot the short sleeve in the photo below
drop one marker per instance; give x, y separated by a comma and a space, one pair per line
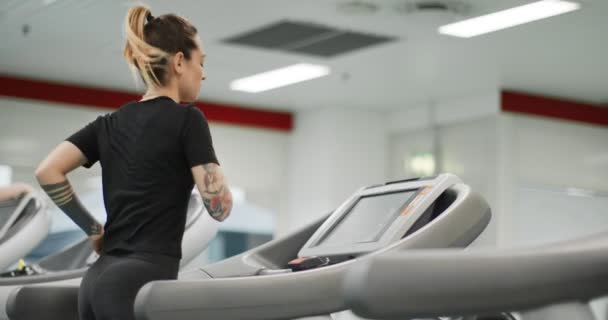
196, 138
86, 140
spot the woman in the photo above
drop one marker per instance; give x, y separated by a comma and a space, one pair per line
151, 152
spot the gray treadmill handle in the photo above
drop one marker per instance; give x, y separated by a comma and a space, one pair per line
51, 302
280, 296
456, 282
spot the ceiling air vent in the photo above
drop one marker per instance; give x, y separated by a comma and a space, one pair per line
435, 6
308, 38
431, 5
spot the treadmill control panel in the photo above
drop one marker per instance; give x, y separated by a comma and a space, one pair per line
375, 217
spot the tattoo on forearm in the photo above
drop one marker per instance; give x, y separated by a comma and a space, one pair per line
216, 197
64, 197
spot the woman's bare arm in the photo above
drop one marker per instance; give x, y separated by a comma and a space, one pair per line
214, 190
51, 175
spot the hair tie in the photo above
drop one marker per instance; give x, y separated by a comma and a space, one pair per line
149, 17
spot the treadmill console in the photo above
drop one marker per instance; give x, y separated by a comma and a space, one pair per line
373, 218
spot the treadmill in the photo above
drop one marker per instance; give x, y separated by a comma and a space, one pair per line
24, 222
299, 275
68, 266
554, 281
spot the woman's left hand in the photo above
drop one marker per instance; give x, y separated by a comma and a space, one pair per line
97, 242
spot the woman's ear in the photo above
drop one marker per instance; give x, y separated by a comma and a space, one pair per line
178, 63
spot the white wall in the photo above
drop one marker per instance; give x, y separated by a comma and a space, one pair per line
560, 153
467, 107
333, 152
30, 129
560, 180
403, 147
543, 215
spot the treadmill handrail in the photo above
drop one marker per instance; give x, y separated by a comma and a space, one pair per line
431, 283
23, 202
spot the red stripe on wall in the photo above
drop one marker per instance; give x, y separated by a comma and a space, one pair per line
518, 102
71, 94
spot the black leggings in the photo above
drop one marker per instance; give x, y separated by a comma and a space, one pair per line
109, 287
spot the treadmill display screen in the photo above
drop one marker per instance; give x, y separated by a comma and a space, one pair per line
368, 218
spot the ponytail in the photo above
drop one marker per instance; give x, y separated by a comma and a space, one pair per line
142, 56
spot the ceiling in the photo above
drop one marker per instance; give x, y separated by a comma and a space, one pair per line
79, 42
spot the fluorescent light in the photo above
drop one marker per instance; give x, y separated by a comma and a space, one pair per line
508, 18
279, 77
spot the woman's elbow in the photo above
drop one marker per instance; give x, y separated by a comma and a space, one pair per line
40, 172
45, 174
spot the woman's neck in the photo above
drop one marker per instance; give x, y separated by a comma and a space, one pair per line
158, 92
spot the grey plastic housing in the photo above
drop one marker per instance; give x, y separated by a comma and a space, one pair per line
25, 223
11, 210
236, 290
431, 283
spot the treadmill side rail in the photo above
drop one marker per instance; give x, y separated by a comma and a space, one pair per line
43, 303
435, 283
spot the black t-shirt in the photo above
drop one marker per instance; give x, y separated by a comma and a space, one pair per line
146, 150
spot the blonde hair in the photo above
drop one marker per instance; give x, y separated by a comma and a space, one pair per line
152, 41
